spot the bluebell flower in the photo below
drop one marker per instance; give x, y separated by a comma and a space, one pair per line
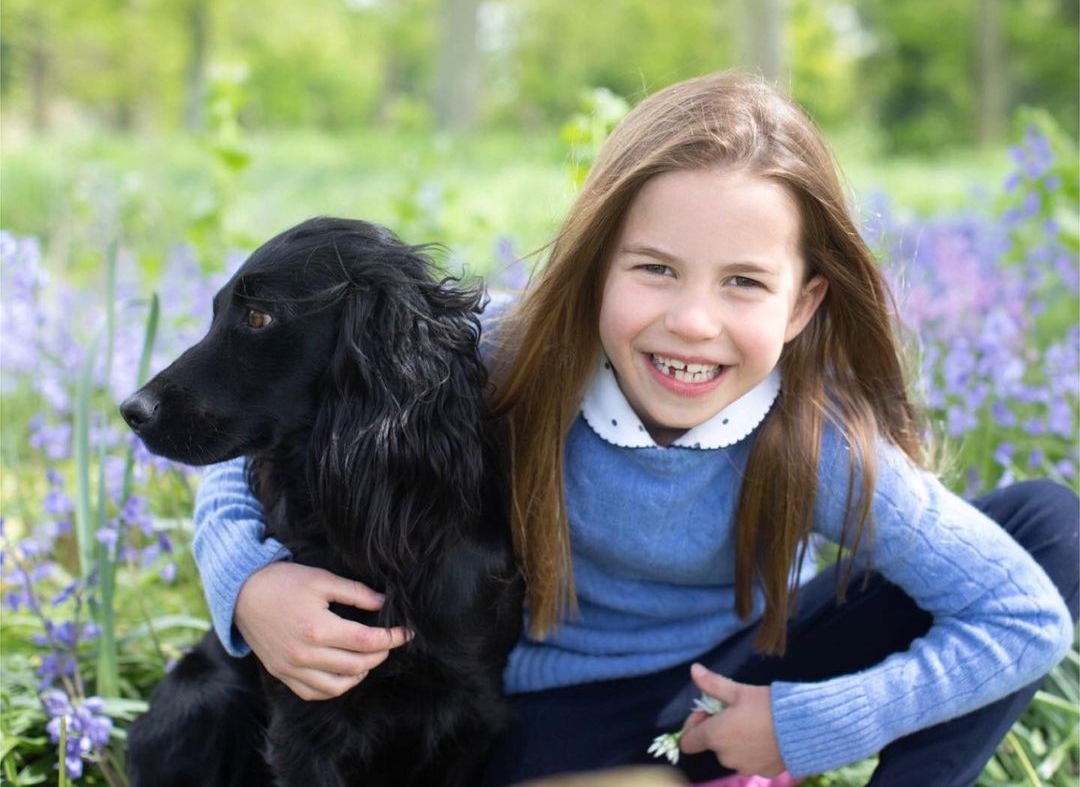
136, 513
107, 536
87, 727
1002, 413
54, 440
1035, 426
65, 593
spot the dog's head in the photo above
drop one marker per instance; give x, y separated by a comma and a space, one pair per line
330, 309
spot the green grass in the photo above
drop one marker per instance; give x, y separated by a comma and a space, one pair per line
464, 192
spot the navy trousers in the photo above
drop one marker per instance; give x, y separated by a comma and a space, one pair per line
611, 723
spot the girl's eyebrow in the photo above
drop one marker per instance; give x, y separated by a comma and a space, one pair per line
758, 267
649, 251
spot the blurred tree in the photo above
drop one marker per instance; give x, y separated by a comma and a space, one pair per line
762, 46
311, 64
824, 44
946, 72
197, 13
990, 72
26, 76
458, 80
1043, 49
631, 47
108, 62
920, 71
929, 73
405, 33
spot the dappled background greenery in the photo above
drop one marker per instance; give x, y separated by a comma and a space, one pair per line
928, 73
165, 112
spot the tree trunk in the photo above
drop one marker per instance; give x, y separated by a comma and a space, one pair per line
39, 73
457, 86
763, 37
197, 19
990, 72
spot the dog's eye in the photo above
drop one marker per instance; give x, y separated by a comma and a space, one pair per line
257, 319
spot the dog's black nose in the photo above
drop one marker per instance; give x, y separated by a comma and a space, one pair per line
139, 409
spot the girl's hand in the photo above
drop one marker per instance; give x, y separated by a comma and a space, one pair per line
742, 734
283, 613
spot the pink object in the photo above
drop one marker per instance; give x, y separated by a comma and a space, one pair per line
783, 780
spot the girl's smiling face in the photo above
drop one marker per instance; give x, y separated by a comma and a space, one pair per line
704, 287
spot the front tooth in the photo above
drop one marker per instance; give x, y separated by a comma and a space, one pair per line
696, 368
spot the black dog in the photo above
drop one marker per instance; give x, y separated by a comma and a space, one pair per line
349, 376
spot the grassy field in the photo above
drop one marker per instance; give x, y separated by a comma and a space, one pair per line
467, 193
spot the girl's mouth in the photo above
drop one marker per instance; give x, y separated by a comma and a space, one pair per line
683, 372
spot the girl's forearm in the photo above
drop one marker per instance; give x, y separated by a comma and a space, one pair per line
229, 545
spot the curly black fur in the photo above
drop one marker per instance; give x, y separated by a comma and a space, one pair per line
360, 407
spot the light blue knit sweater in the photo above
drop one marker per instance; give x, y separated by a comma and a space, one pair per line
653, 553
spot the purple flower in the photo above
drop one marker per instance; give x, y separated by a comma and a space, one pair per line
1061, 420
136, 513
107, 536
87, 727
56, 666
1036, 459
168, 572
65, 593
53, 440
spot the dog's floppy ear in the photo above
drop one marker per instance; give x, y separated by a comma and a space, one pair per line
397, 450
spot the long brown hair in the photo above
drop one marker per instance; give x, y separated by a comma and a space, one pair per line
846, 365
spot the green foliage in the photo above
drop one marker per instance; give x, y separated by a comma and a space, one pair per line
824, 72
347, 65
629, 48
228, 156
585, 132
1057, 184
923, 72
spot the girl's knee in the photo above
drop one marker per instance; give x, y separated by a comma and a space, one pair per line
1035, 511
1044, 518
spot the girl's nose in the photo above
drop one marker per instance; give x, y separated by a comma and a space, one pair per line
693, 317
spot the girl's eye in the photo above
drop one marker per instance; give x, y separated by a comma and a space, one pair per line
257, 319
744, 281
657, 269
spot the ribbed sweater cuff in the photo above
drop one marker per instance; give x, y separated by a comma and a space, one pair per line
230, 570
229, 545
820, 726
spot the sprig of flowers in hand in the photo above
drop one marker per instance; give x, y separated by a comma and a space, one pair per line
667, 745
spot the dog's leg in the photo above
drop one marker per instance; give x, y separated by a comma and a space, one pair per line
205, 726
298, 763
304, 747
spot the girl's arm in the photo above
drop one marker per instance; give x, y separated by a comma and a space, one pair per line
999, 622
230, 545
281, 610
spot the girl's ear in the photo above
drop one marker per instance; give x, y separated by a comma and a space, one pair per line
810, 298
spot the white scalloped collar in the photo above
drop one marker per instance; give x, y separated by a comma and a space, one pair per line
608, 413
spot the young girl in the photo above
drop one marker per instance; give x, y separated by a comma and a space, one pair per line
701, 384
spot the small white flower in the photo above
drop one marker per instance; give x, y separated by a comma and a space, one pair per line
666, 745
